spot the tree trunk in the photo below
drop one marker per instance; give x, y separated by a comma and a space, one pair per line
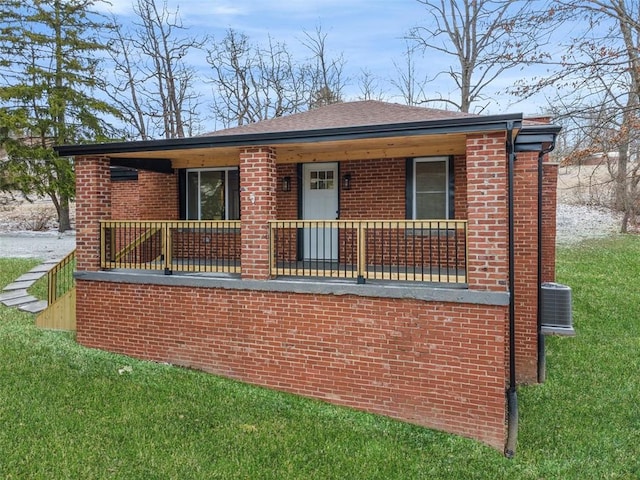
62, 210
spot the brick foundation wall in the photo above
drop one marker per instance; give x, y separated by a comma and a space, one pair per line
436, 364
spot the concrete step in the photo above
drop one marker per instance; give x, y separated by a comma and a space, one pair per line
31, 276
19, 285
43, 267
34, 307
15, 302
13, 294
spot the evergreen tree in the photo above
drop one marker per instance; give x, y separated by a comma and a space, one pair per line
49, 74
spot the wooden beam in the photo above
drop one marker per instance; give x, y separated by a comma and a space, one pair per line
363, 149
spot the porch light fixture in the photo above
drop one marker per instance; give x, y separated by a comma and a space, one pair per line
286, 184
346, 181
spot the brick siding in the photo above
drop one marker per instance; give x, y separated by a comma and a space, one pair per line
93, 203
436, 364
549, 207
526, 265
487, 212
377, 192
125, 200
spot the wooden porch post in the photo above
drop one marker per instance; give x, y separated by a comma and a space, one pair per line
258, 188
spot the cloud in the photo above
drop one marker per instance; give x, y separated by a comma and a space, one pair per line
115, 7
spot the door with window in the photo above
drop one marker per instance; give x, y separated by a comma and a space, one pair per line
320, 202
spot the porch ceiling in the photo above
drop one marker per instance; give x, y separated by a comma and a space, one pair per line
340, 150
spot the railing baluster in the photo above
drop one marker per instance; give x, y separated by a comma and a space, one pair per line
213, 246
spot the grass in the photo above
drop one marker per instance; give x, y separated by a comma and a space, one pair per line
71, 412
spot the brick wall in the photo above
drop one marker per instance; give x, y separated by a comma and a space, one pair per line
158, 196
526, 265
125, 200
154, 196
258, 191
377, 192
460, 189
487, 211
437, 364
549, 199
93, 203
287, 202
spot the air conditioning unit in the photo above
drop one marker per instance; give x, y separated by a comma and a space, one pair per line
556, 315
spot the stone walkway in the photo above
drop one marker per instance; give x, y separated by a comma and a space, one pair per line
15, 294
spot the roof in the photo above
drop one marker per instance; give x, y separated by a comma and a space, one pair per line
345, 115
340, 122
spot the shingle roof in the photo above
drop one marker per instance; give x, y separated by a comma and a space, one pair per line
345, 114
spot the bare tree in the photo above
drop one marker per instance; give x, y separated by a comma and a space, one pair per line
328, 79
155, 86
253, 83
596, 80
483, 39
406, 81
369, 86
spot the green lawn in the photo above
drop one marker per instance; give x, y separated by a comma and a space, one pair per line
70, 412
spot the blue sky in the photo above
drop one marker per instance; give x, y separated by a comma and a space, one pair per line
368, 32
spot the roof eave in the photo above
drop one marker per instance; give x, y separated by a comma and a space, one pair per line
536, 138
428, 127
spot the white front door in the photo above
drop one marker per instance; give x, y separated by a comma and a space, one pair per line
320, 202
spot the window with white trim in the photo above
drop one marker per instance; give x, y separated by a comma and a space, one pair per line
431, 188
213, 194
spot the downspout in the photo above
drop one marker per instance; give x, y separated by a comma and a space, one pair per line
512, 396
542, 361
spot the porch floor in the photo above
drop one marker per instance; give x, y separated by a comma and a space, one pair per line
312, 270
335, 269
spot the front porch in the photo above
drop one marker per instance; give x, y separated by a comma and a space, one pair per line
433, 251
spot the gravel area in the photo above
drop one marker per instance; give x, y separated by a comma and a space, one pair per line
580, 222
48, 245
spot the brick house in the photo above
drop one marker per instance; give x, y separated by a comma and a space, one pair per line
369, 254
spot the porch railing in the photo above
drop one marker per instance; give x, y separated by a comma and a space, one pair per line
184, 246
403, 250
60, 278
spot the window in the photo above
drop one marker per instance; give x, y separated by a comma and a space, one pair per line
431, 188
213, 194
321, 180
